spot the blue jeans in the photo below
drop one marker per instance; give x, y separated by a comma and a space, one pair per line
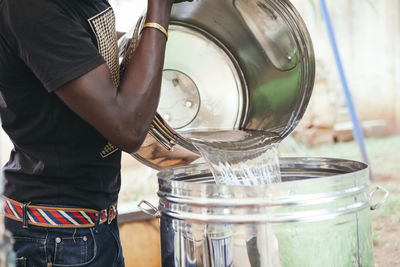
40, 247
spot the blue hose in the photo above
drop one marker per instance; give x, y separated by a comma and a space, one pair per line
357, 131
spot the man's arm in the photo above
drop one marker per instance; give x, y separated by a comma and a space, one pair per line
123, 115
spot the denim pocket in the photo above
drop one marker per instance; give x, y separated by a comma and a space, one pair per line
119, 261
30, 250
20, 262
77, 250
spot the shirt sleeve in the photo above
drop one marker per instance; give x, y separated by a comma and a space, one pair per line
53, 45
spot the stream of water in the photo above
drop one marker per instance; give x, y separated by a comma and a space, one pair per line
240, 157
248, 158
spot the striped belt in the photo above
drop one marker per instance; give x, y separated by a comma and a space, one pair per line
46, 216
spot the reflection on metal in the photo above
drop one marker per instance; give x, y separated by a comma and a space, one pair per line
271, 32
319, 216
219, 244
179, 202
251, 63
180, 99
212, 71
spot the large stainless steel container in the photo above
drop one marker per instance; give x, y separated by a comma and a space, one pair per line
230, 64
318, 216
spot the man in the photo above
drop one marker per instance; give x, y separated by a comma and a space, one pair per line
69, 114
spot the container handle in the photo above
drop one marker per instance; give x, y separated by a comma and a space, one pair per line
383, 200
153, 211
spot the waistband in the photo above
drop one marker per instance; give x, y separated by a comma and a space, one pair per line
47, 216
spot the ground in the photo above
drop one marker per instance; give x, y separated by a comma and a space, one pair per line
386, 228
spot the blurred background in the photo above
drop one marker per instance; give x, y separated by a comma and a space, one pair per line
368, 36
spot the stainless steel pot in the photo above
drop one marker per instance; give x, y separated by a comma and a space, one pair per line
318, 216
230, 64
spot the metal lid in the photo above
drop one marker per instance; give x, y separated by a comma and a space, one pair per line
230, 65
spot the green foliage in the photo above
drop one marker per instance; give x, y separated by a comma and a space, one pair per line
137, 195
313, 4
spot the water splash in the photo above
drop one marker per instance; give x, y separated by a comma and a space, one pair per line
240, 157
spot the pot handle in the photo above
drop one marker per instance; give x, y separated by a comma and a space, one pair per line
153, 211
382, 201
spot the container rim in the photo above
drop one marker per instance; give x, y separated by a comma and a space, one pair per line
332, 166
314, 189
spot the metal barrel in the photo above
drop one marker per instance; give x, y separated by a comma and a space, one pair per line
318, 216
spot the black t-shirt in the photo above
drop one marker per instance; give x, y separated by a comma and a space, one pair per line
57, 158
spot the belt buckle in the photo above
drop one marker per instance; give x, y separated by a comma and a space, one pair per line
25, 207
